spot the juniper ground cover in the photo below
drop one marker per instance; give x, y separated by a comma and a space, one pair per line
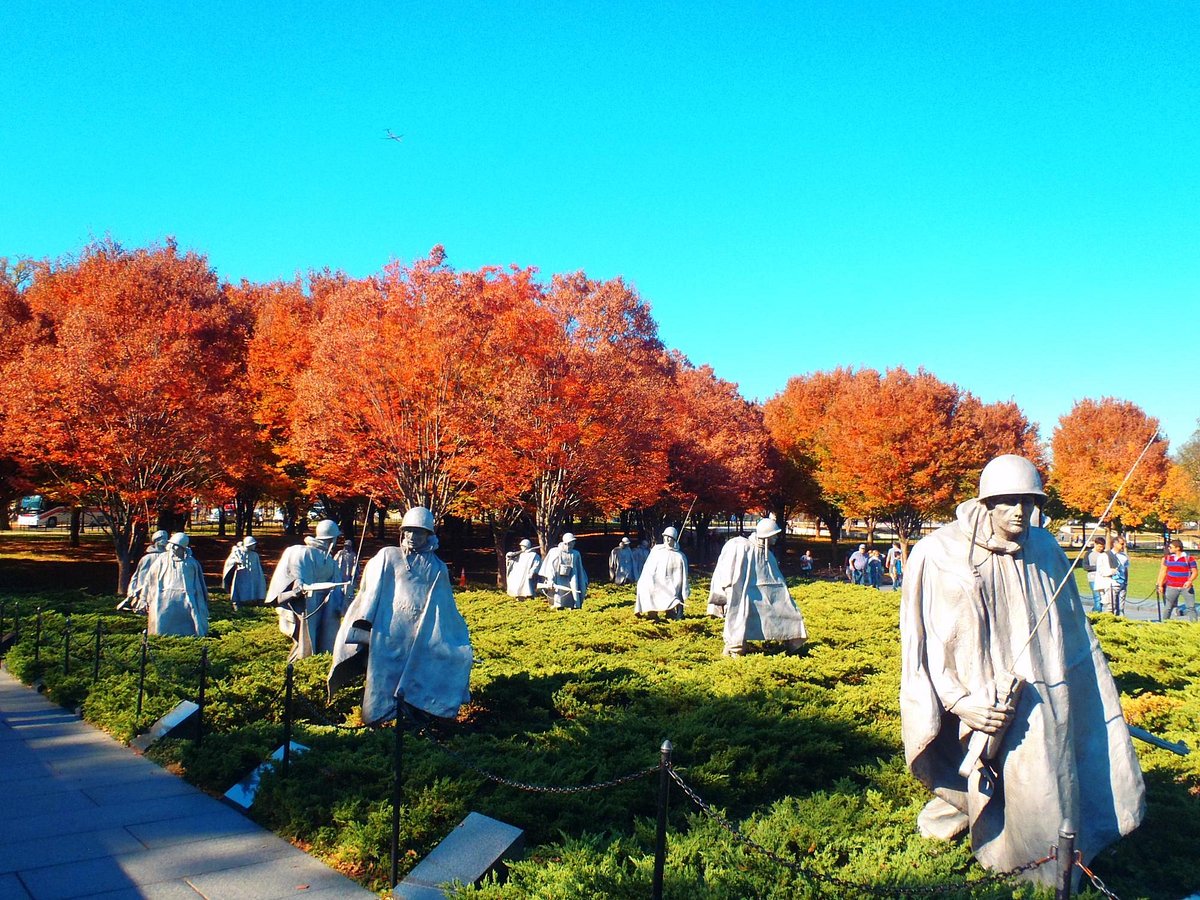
802, 753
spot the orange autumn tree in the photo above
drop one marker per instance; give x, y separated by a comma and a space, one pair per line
898, 447
1180, 498
279, 349
1094, 446
795, 420
406, 375
597, 431
717, 449
23, 334
125, 403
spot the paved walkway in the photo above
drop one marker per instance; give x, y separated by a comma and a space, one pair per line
85, 816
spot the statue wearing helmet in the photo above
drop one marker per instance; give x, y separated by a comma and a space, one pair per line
243, 575
521, 568
174, 592
621, 563
1010, 717
404, 631
749, 591
663, 586
563, 579
137, 582
302, 591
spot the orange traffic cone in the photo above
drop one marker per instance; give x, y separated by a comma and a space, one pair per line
462, 577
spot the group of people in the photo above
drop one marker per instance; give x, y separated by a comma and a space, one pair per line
1108, 575
867, 567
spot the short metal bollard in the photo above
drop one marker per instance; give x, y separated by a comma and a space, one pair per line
1066, 861
67, 647
142, 672
287, 719
397, 792
660, 837
96, 658
200, 696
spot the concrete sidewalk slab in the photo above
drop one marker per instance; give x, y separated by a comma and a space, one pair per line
87, 817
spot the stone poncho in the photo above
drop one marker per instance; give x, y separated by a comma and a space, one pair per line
311, 621
749, 591
405, 631
176, 597
663, 584
969, 604
137, 581
522, 572
622, 565
563, 578
243, 575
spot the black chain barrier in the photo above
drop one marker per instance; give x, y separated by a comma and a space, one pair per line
535, 788
1095, 879
877, 890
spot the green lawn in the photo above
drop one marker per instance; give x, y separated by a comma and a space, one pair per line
802, 752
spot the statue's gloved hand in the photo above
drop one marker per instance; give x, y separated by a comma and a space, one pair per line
982, 716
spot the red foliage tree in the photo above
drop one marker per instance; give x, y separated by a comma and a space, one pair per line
23, 334
1094, 446
717, 448
124, 404
594, 439
897, 447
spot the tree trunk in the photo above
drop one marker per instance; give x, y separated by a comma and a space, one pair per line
6, 502
499, 538
221, 520
126, 539
701, 522
76, 524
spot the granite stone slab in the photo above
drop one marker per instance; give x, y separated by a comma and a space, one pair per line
468, 853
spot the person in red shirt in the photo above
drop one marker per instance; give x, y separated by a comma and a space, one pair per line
1176, 576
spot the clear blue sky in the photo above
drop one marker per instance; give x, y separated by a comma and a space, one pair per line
1005, 193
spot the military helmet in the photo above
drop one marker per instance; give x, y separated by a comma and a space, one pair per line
1008, 475
327, 530
568, 538
766, 528
159, 537
671, 532
526, 543
250, 542
179, 539
418, 517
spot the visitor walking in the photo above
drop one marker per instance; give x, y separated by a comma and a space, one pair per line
1176, 576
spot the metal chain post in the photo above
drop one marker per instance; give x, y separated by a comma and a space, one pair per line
287, 719
96, 661
67, 647
660, 837
142, 672
397, 793
1066, 861
200, 696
